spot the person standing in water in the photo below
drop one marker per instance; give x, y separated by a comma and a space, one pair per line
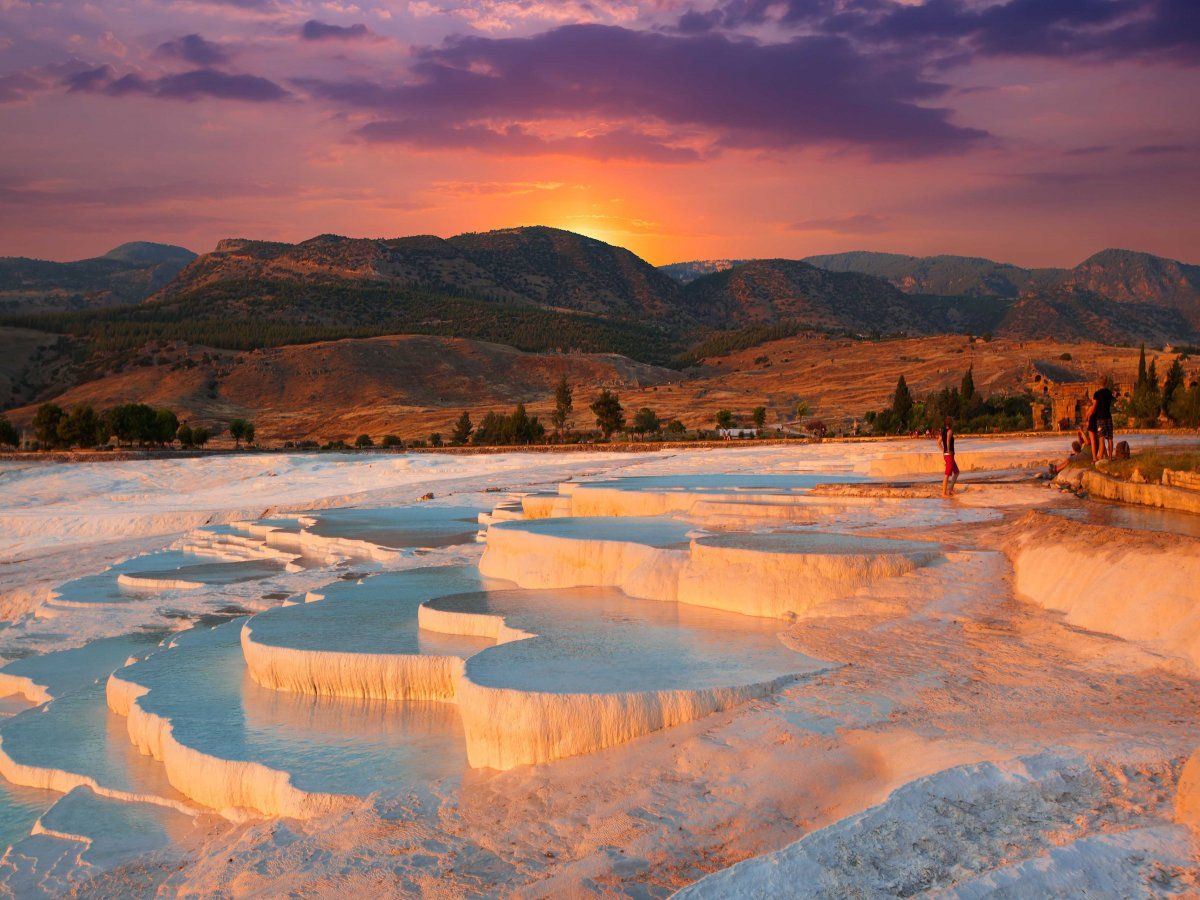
946, 442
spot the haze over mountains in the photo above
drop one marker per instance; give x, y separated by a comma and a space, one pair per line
539, 290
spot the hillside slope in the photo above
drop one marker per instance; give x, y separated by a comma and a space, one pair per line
1130, 277
125, 275
545, 267
1069, 313
1124, 276
401, 384
945, 275
687, 272
766, 291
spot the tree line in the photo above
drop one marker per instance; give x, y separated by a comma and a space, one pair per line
1178, 401
129, 424
969, 409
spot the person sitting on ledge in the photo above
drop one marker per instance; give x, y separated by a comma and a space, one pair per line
1076, 455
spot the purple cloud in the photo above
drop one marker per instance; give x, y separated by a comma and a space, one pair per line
194, 49
804, 92
18, 86
313, 30
88, 79
193, 85
1102, 29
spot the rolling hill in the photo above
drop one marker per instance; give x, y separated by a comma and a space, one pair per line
534, 291
399, 384
125, 275
767, 291
544, 267
942, 275
1124, 276
1129, 277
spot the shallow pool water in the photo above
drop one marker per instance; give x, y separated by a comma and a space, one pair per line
651, 531
743, 483
20, 808
596, 640
67, 670
217, 573
401, 526
328, 745
77, 733
816, 542
1142, 518
164, 564
375, 615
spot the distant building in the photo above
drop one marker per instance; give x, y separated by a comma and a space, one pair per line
1062, 395
730, 433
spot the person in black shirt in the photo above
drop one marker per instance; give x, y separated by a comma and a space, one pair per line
1100, 423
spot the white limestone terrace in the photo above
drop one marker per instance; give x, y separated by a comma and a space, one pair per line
361, 638
84, 834
781, 574
976, 455
1141, 584
41, 678
66, 745
525, 774
70, 743
719, 502
1041, 826
235, 746
575, 671
166, 570
385, 535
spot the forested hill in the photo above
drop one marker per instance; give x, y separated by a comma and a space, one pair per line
687, 272
1122, 276
543, 289
770, 291
126, 274
941, 275
544, 267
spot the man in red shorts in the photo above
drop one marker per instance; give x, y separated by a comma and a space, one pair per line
946, 442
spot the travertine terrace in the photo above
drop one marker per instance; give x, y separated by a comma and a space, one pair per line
712, 672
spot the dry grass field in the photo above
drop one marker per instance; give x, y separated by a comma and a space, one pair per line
411, 386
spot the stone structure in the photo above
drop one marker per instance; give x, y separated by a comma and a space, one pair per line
1061, 396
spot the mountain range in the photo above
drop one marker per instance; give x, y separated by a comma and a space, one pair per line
124, 275
540, 290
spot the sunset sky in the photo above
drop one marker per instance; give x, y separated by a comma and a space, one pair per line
1032, 131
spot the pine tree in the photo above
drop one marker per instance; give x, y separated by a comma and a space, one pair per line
1173, 382
237, 431
8, 434
646, 421
1141, 376
902, 403
967, 392
45, 423
610, 415
462, 429
563, 404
